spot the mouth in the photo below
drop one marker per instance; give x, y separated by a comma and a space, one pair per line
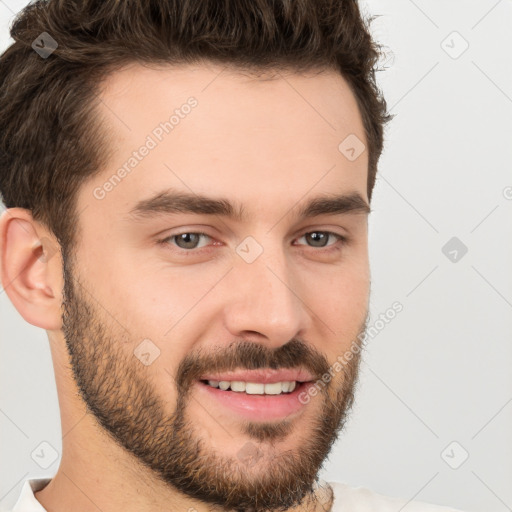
254, 388
256, 401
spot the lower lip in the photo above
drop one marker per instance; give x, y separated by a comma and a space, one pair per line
259, 407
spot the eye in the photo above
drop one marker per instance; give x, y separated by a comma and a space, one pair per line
319, 238
186, 241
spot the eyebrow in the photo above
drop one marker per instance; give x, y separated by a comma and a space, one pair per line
171, 202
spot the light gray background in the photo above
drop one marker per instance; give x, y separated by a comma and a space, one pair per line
439, 372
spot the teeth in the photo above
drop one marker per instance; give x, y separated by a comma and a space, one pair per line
274, 389
254, 388
238, 385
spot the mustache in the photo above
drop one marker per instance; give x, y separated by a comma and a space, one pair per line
249, 355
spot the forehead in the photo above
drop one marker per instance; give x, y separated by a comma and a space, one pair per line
213, 130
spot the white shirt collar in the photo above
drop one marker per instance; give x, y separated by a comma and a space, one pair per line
27, 502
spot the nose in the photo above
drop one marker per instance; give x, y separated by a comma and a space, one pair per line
265, 300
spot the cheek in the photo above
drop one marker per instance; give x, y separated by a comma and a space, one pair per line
342, 302
166, 312
147, 293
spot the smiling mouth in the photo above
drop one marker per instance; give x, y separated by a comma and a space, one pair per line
254, 388
255, 401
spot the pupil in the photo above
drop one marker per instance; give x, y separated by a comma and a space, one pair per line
318, 236
185, 237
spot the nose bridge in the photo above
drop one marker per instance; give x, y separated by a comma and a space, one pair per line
266, 300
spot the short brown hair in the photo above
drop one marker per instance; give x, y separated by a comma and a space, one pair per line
50, 138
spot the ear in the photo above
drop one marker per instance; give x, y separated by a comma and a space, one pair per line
31, 268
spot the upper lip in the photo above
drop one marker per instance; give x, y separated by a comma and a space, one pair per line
263, 376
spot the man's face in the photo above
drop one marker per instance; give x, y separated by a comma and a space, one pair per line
150, 316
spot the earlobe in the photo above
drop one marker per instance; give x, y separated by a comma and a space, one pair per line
29, 268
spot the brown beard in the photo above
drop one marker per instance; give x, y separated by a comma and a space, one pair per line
119, 393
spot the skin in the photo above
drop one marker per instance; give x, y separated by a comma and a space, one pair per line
133, 434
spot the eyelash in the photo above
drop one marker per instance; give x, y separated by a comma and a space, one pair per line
343, 240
